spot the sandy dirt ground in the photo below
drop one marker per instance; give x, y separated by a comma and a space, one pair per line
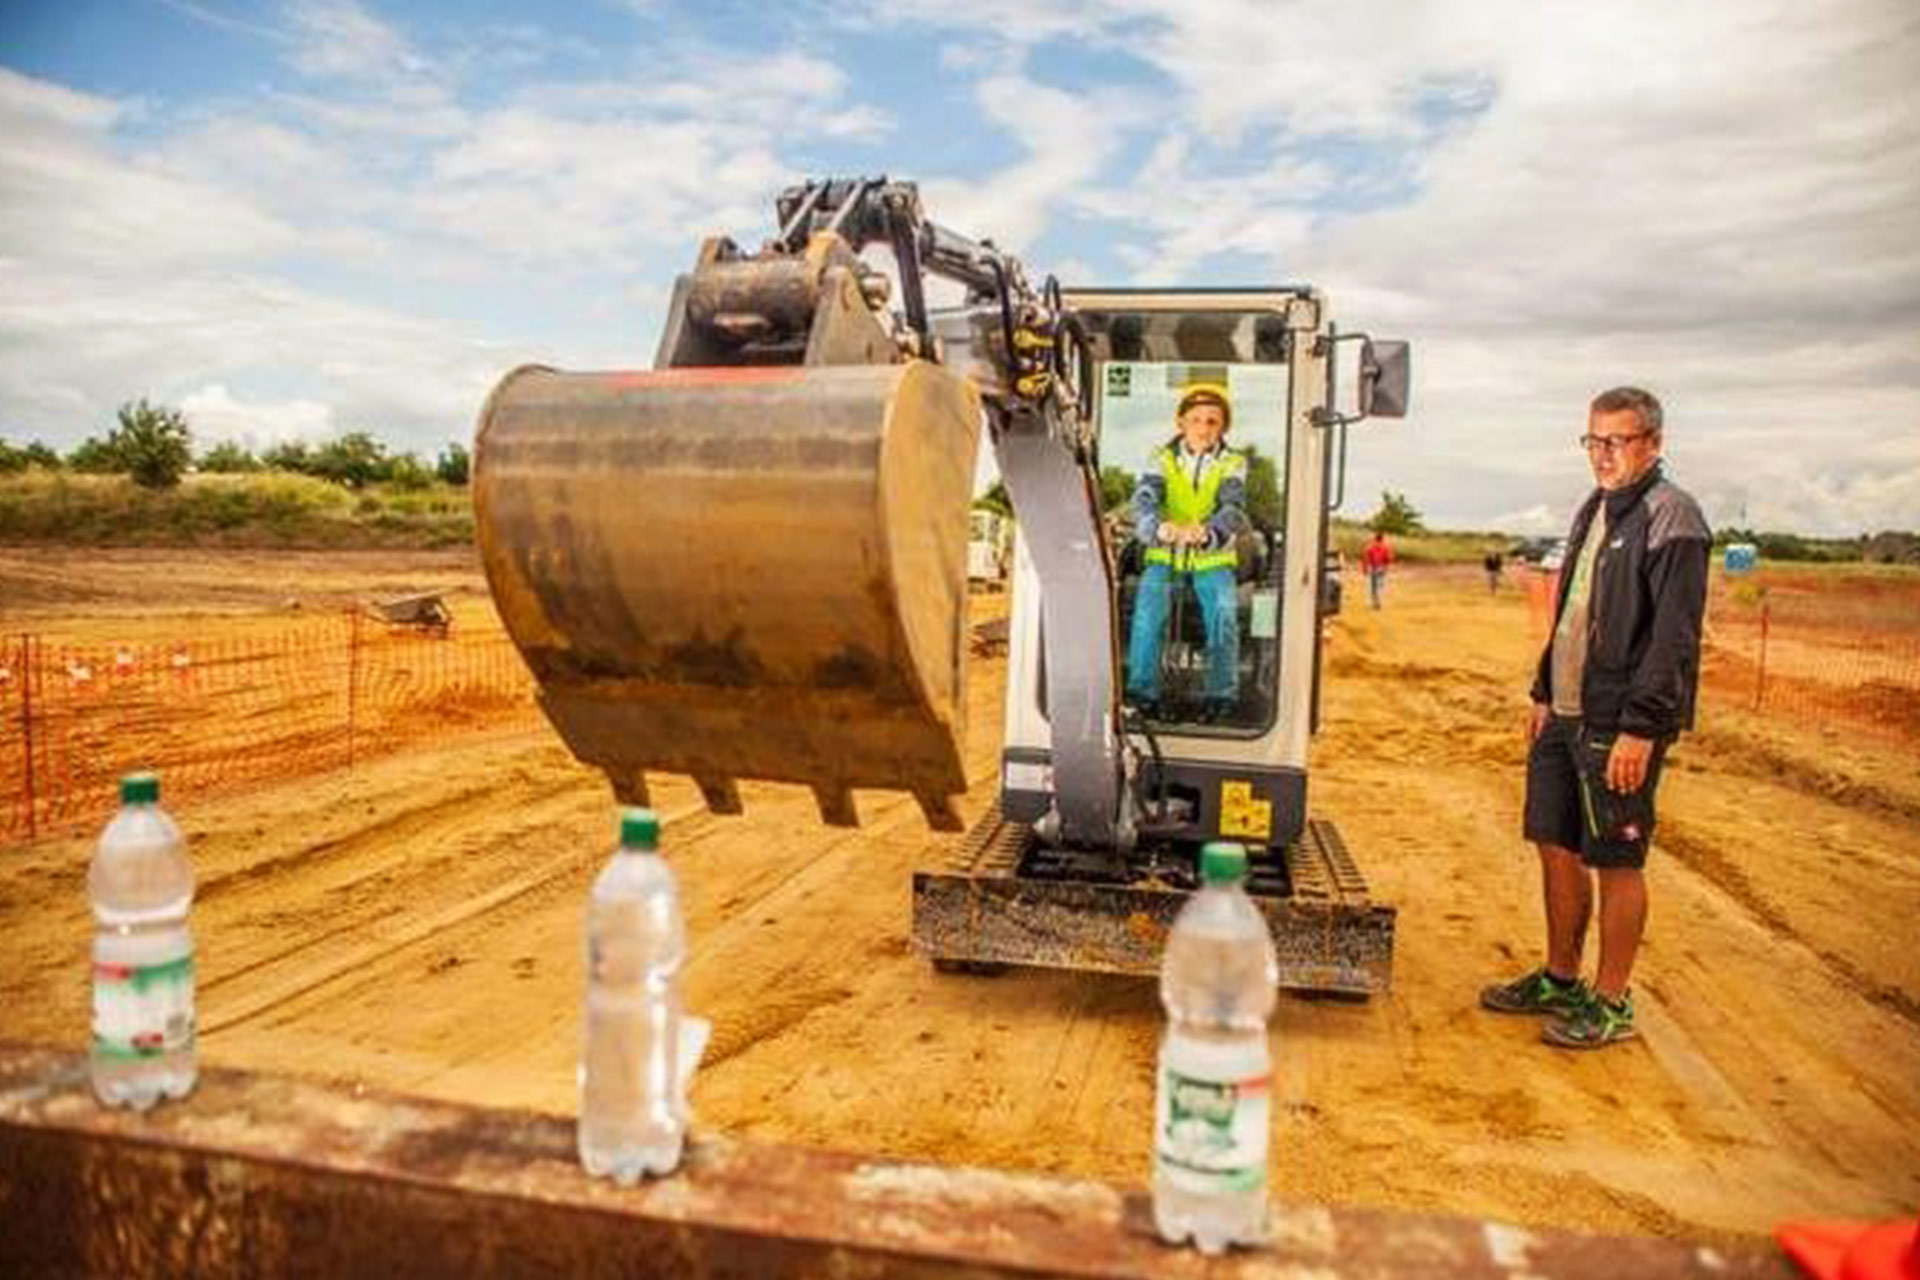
416, 927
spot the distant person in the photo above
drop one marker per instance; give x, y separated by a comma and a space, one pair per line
1493, 562
1615, 687
1188, 511
1376, 559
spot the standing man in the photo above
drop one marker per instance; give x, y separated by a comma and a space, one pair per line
1375, 560
1188, 509
1615, 687
1493, 562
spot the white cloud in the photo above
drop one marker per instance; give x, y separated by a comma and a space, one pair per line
68, 198
1537, 519
293, 261
1716, 200
1713, 199
1068, 138
215, 415
1365, 69
1724, 216
338, 38
33, 108
1188, 215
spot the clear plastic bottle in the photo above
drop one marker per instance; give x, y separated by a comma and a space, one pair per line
639, 1050
1212, 1107
141, 885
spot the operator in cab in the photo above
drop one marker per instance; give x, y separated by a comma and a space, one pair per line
1188, 510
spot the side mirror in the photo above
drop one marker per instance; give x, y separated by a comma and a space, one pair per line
1386, 371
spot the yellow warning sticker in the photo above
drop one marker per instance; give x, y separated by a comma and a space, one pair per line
1242, 813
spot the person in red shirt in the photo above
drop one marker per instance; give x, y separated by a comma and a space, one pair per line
1375, 560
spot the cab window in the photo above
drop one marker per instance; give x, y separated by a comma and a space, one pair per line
1199, 611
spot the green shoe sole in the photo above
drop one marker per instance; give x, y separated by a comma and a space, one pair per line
1505, 998
1582, 1034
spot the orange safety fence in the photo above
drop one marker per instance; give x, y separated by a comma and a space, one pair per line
1801, 646
212, 714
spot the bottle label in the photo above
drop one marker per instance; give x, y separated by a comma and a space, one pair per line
1211, 1135
143, 1011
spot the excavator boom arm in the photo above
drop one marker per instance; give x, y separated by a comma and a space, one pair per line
749, 562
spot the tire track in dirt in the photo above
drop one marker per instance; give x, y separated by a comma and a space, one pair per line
833, 946
1751, 756
408, 822
261, 996
1704, 858
816, 862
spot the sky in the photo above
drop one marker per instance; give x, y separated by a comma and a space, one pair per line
295, 219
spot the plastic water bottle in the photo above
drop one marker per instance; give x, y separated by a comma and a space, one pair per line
141, 885
639, 1051
1213, 1103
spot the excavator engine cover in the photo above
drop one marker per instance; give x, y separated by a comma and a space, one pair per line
751, 572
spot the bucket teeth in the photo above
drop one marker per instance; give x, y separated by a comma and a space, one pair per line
940, 812
631, 788
721, 794
836, 806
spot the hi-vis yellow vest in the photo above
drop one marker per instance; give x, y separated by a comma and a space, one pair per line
1188, 505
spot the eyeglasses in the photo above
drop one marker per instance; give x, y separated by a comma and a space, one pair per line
1610, 444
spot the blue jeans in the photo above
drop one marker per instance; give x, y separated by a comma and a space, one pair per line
1219, 606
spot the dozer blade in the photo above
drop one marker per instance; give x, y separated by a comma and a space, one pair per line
739, 573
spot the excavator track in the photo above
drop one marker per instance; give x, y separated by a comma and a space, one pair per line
1002, 898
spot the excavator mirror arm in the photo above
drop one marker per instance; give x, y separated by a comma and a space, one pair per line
1385, 374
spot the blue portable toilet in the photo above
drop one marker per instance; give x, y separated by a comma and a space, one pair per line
1742, 557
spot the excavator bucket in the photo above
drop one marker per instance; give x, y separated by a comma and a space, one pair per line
746, 572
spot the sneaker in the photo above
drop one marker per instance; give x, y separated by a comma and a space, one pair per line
1535, 993
1597, 1023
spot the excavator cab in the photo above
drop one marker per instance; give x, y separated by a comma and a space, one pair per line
1200, 650
1217, 728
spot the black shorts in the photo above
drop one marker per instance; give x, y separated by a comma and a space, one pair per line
1570, 804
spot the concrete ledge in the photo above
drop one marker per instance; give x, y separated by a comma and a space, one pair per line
269, 1176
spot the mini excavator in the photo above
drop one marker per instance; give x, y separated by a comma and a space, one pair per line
750, 563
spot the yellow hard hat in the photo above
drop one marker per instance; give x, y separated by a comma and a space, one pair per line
1206, 393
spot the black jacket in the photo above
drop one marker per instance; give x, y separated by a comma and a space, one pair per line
1643, 617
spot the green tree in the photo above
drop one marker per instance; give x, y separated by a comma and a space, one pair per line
95, 456
406, 472
152, 443
454, 464
1264, 505
228, 458
355, 460
291, 456
14, 459
1396, 515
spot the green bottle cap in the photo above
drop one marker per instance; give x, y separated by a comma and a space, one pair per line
140, 788
639, 829
1223, 862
